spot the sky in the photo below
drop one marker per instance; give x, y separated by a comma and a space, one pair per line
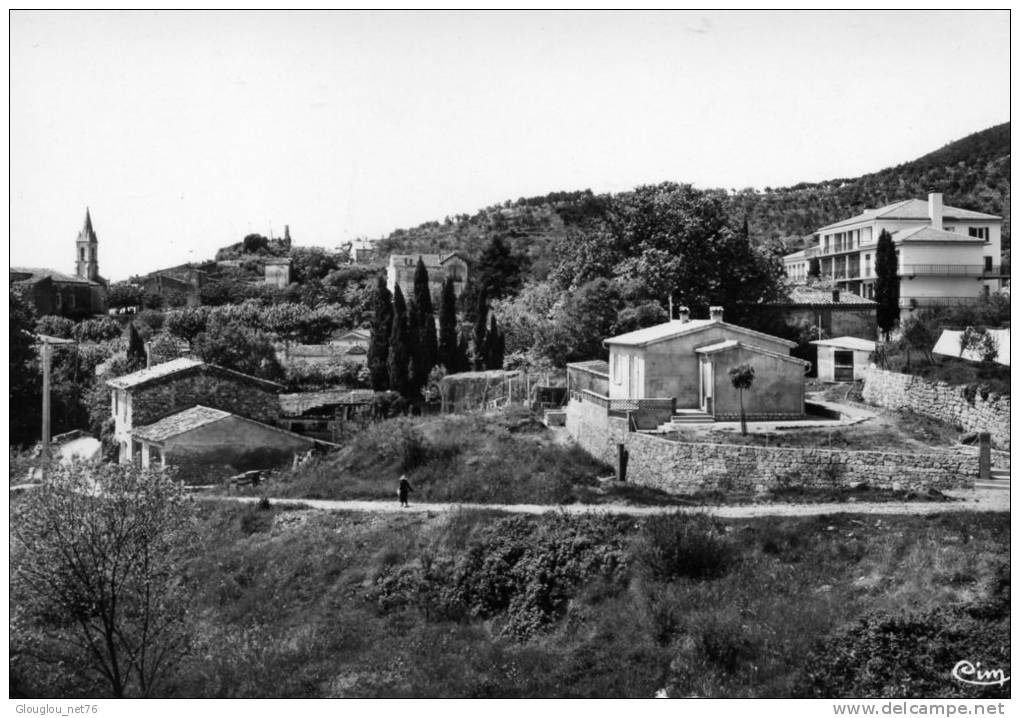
185, 131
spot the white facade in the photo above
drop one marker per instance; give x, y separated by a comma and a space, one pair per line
946, 255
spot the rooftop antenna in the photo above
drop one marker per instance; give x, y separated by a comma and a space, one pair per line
671, 307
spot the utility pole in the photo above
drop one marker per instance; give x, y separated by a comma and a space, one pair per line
47, 354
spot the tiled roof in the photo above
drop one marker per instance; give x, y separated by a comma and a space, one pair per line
734, 344
182, 365
855, 343
910, 209
37, 274
594, 365
182, 421
353, 334
430, 260
297, 404
930, 234
675, 328
812, 297
143, 376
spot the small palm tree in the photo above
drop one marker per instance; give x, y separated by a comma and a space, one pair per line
742, 377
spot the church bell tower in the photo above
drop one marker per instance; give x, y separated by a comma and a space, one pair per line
87, 248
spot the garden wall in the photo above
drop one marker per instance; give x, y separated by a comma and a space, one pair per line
943, 402
687, 467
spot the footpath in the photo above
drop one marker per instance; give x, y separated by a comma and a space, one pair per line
976, 500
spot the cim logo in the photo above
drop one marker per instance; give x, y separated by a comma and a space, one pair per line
972, 674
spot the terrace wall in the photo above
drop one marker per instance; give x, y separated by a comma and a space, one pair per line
943, 402
680, 467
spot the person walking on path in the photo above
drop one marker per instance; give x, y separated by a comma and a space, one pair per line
403, 490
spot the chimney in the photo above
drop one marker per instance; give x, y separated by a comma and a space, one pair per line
715, 314
684, 314
835, 295
935, 209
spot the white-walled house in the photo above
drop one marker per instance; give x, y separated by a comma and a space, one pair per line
946, 255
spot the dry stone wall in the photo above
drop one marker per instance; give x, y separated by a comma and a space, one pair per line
943, 402
688, 467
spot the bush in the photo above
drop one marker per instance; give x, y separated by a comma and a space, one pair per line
98, 330
910, 655
683, 545
54, 326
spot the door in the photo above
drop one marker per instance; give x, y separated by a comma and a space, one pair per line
843, 366
707, 382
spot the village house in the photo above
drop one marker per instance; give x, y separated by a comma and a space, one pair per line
202, 441
688, 361
440, 267
175, 286
830, 312
51, 292
946, 255
149, 395
843, 358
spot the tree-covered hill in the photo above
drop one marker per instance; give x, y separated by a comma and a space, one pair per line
972, 173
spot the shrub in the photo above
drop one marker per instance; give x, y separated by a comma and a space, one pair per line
909, 655
687, 545
54, 326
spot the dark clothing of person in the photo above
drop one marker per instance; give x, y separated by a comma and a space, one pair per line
403, 491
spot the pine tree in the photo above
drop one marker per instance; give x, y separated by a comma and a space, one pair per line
447, 353
399, 354
379, 344
481, 319
887, 284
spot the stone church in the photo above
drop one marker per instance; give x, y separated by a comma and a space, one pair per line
83, 294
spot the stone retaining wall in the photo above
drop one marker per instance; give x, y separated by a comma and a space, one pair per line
687, 467
943, 402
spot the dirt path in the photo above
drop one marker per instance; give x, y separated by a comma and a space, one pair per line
975, 500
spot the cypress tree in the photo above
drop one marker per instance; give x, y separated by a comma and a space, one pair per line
447, 354
481, 319
379, 343
418, 371
887, 284
399, 354
461, 361
135, 347
428, 343
493, 346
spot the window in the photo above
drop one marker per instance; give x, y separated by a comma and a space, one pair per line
979, 232
988, 264
949, 228
867, 265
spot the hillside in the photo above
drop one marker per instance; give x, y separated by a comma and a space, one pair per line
972, 173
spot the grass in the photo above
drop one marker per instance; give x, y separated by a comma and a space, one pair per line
507, 458
893, 431
477, 604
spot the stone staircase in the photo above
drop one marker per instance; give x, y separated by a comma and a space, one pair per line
691, 416
999, 479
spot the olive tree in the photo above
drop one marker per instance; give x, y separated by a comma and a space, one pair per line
96, 578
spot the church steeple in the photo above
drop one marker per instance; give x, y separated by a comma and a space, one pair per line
87, 251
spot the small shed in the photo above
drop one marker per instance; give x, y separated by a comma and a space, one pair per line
843, 358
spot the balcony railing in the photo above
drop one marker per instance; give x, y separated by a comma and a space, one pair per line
950, 270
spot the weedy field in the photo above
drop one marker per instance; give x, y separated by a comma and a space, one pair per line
510, 457
293, 603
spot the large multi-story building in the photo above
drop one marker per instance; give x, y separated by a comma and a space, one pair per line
946, 255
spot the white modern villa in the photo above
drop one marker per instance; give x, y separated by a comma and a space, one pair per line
946, 255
